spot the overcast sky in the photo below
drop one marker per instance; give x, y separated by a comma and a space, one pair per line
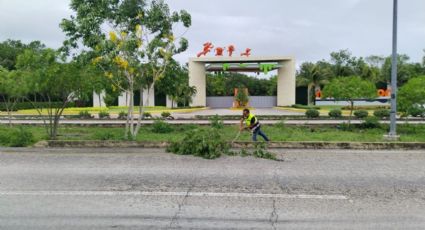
306, 29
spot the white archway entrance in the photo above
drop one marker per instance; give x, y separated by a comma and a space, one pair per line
285, 67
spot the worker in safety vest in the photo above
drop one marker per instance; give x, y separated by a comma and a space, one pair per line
252, 124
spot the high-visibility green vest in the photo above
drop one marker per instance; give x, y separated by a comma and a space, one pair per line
249, 118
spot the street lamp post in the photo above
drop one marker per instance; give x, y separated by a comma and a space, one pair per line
393, 132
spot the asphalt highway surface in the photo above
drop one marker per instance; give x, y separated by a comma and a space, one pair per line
150, 189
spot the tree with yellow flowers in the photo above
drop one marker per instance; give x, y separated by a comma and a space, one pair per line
131, 41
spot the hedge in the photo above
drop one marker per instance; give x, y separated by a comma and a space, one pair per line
27, 105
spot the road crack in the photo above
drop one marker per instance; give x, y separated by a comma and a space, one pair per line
273, 215
174, 220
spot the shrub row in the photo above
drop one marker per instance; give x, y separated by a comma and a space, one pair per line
298, 106
416, 111
360, 114
312, 113
27, 105
16, 138
335, 113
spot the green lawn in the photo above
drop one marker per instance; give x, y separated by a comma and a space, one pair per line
409, 133
111, 110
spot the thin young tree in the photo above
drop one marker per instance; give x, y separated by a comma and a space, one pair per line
13, 87
54, 80
131, 40
348, 89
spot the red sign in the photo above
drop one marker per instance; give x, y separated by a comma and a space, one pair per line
208, 46
219, 51
247, 52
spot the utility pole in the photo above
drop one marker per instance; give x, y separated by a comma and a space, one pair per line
393, 132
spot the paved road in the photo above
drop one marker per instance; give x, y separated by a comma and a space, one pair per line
150, 189
226, 111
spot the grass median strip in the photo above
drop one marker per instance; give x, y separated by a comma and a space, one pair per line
278, 132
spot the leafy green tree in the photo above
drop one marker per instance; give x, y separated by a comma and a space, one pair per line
405, 70
216, 85
242, 97
187, 93
343, 63
138, 42
412, 95
223, 84
174, 83
313, 75
11, 49
375, 60
55, 81
348, 89
96, 77
375, 66
272, 86
13, 87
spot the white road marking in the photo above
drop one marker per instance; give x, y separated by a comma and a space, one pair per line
190, 194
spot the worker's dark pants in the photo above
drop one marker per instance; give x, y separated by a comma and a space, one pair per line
259, 132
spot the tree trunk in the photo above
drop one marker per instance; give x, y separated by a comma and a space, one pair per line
40, 113
309, 94
351, 112
50, 117
58, 114
127, 121
141, 101
141, 111
8, 109
55, 127
131, 111
9, 114
100, 99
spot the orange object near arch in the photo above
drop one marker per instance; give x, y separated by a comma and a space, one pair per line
318, 94
382, 92
230, 49
247, 52
219, 51
207, 48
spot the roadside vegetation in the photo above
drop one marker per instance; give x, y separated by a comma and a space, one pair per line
115, 110
130, 49
369, 131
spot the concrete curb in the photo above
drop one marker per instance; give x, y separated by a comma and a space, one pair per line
339, 145
282, 144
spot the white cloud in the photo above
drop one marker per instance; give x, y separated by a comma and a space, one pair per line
307, 29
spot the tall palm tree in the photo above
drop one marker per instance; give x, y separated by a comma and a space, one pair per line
187, 94
313, 75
